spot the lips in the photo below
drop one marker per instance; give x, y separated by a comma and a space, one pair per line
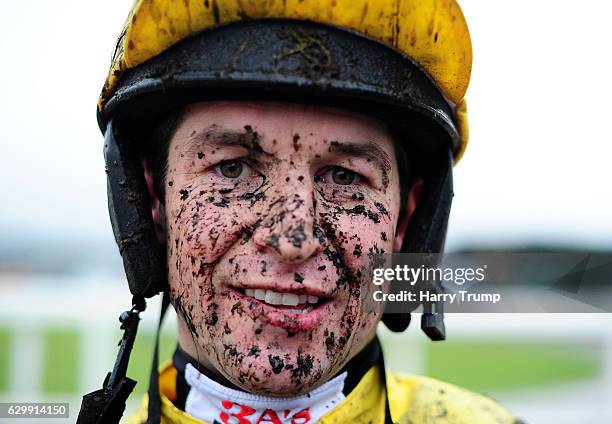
291, 311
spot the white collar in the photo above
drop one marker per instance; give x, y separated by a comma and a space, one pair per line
214, 403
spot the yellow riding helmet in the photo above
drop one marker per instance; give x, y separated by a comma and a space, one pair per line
431, 33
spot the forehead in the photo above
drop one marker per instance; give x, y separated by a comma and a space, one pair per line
286, 120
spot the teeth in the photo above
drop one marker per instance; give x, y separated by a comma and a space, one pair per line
276, 298
290, 299
273, 298
259, 294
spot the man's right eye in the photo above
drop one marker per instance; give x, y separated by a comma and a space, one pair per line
234, 169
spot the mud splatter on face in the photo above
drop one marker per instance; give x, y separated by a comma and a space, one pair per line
263, 210
276, 363
302, 368
296, 142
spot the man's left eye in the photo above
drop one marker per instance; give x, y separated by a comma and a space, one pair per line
341, 176
233, 169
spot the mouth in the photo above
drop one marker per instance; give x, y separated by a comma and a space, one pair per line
292, 311
290, 303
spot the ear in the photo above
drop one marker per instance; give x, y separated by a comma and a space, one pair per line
411, 202
157, 208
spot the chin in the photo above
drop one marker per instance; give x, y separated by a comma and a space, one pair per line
280, 373
274, 362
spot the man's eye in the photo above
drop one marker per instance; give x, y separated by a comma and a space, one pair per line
233, 169
338, 175
342, 176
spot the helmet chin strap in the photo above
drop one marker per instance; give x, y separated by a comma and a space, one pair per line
425, 235
108, 404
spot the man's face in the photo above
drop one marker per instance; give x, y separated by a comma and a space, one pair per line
270, 212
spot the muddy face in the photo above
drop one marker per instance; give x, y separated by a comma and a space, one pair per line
270, 213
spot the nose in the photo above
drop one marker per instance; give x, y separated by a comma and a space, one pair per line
290, 229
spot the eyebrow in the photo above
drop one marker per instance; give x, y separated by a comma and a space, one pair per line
215, 136
368, 150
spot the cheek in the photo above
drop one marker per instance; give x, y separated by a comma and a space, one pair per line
203, 224
360, 230
357, 233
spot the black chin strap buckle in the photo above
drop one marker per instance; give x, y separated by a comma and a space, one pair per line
129, 324
108, 404
432, 321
